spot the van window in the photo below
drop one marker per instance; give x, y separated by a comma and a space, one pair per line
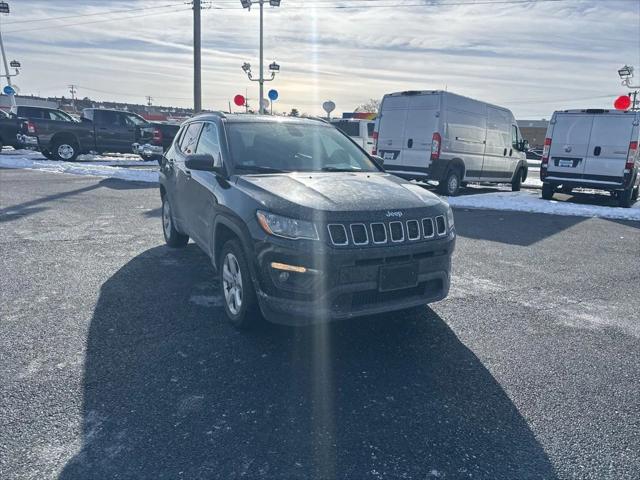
350, 128
190, 138
371, 126
515, 138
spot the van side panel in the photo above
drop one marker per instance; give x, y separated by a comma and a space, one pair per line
465, 123
497, 159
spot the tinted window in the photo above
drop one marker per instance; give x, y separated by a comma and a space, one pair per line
514, 135
131, 119
30, 112
59, 116
107, 117
350, 128
209, 141
190, 138
371, 126
294, 147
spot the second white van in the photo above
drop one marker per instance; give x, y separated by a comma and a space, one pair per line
436, 135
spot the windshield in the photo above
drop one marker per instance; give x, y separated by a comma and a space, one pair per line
283, 146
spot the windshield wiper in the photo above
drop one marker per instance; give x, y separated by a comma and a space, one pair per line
338, 169
258, 168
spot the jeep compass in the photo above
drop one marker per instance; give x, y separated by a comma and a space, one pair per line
301, 224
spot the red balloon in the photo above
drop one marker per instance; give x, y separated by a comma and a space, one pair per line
238, 100
622, 103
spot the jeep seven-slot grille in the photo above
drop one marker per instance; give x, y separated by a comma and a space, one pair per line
380, 233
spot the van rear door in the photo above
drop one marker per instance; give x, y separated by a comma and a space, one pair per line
391, 125
569, 145
421, 123
608, 147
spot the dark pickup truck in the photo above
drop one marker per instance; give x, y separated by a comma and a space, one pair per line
99, 131
10, 122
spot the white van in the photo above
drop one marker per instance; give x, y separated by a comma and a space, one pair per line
436, 135
594, 149
361, 131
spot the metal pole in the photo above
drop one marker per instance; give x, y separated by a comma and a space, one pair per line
261, 57
197, 63
6, 72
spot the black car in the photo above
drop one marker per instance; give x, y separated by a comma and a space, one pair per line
300, 223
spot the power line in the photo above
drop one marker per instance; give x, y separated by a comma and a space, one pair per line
318, 4
105, 12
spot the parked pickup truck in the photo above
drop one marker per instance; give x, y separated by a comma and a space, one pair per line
155, 140
10, 122
99, 131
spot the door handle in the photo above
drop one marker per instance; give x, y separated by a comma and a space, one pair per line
596, 151
504, 153
410, 143
511, 152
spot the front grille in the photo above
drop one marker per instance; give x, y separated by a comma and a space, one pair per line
381, 233
397, 232
441, 225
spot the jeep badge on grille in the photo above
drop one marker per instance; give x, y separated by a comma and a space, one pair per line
394, 214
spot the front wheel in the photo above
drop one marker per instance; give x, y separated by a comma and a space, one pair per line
240, 303
547, 191
450, 186
172, 236
65, 150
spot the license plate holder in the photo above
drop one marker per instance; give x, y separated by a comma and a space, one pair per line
398, 277
565, 163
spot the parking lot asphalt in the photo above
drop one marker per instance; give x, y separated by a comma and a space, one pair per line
115, 360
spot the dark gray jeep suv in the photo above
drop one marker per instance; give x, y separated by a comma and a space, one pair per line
300, 223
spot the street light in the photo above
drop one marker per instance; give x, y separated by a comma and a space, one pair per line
261, 79
4, 8
15, 64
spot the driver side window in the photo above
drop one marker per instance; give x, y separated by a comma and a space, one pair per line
210, 142
514, 137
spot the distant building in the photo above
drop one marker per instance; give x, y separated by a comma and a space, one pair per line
31, 101
534, 131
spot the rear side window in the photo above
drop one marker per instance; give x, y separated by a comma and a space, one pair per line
350, 128
371, 127
190, 138
31, 112
106, 117
210, 142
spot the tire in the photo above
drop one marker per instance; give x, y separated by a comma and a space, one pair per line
516, 183
65, 150
636, 192
450, 185
173, 237
238, 293
547, 191
625, 198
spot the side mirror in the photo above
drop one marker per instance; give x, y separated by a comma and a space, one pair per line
378, 160
203, 162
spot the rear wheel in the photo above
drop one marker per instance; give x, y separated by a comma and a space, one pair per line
240, 303
547, 191
516, 183
625, 198
636, 191
172, 236
450, 185
65, 150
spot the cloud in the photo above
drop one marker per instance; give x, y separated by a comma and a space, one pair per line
532, 58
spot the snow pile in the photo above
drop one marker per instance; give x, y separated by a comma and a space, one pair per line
527, 201
79, 168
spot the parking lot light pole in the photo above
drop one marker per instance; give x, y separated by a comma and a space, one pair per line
247, 4
626, 74
4, 9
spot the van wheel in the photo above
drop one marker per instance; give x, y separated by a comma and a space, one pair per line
636, 191
173, 237
239, 296
450, 186
516, 183
547, 191
625, 198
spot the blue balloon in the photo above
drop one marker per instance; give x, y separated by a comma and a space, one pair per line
8, 90
273, 95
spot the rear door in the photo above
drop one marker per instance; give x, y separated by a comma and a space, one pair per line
420, 125
183, 207
391, 125
569, 144
608, 147
113, 133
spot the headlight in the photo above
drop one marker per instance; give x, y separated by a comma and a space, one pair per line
286, 227
450, 217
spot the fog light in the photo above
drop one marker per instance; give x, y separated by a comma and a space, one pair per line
283, 277
287, 268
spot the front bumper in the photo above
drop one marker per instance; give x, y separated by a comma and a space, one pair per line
345, 283
147, 150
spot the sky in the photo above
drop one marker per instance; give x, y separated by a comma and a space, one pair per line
533, 57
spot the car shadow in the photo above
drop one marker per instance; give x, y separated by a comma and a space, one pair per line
171, 391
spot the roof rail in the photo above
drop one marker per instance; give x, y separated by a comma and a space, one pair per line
219, 113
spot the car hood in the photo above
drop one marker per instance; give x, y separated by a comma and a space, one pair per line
337, 191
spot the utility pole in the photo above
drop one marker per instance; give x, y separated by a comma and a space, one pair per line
197, 58
4, 8
149, 100
73, 91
